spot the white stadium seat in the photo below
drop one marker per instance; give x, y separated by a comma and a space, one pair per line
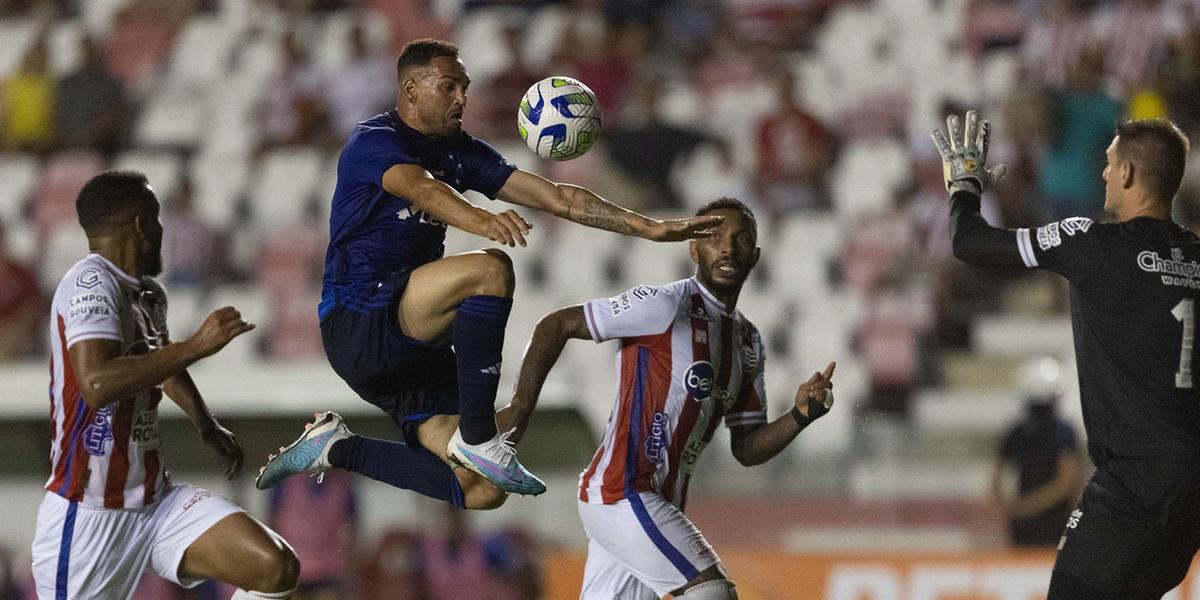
19, 172
284, 186
218, 181
162, 169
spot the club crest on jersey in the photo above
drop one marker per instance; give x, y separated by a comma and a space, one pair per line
89, 278
98, 432
656, 442
698, 379
1176, 253
1073, 225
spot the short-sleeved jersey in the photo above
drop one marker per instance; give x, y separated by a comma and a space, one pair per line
1134, 287
372, 233
111, 456
683, 364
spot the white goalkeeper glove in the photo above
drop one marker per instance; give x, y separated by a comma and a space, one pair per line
963, 157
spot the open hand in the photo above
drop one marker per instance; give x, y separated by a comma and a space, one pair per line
964, 155
678, 230
508, 228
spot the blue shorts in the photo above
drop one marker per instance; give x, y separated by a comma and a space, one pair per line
408, 379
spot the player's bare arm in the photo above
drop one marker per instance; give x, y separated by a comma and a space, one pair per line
756, 444
583, 206
107, 377
445, 204
182, 390
545, 346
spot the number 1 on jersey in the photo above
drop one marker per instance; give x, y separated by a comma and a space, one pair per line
1185, 311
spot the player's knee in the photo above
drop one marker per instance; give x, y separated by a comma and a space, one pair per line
279, 570
716, 589
494, 274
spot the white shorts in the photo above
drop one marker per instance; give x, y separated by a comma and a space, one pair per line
82, 551
640, 548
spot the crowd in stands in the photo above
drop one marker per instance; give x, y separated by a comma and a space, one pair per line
700, 99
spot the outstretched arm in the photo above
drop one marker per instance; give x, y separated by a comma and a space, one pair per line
756, 444
444, 203
978, 243
545, 346
583, 206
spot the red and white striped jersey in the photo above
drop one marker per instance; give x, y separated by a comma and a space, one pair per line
110, 456
683, 364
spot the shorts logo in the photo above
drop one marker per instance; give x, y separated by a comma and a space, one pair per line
1048, 236
656, 442
698, 379
699, 547
89, 278
1073, 522
98, 433
196, 498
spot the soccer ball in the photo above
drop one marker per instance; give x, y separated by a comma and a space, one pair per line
559, 118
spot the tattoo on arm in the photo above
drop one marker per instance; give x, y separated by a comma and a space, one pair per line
586, 208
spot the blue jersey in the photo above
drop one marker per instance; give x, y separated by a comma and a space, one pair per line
373, 234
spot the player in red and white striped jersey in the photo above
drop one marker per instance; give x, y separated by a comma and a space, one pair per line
687, 359
111, 511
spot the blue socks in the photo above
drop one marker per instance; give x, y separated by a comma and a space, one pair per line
478, 341
398, 465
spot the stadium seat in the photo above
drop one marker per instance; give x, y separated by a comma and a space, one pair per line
219, 181
137, 47
201, 54
65, 245
64, 176
63, 42
163, 170
284, 187
172, 117
18, 36
19, 172
869, 174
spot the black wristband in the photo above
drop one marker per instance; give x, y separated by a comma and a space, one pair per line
801, 420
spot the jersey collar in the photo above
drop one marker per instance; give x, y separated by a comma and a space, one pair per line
712, 299
122, 276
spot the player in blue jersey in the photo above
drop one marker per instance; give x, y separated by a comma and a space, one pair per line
392, 303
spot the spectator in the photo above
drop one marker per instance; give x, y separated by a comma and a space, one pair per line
1055, 41
646, 152
319, 518
496, 119
295, 110
27, 104
1138, 37
459, 564
795, 153
1044, 451
90, 109
20, 307
1069, 175
362, 88
194, 251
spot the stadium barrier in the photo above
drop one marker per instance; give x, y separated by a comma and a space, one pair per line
768, 575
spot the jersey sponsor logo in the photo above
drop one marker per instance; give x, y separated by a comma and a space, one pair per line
698, 379
145, 429
701, 314
408, 213
690, 455
98, 433
1174, 272
1048, 236
1073, 522
656, 443
89, 278
1073, 225
620, 304
88, 303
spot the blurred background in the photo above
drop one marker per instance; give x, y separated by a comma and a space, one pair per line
956, 385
